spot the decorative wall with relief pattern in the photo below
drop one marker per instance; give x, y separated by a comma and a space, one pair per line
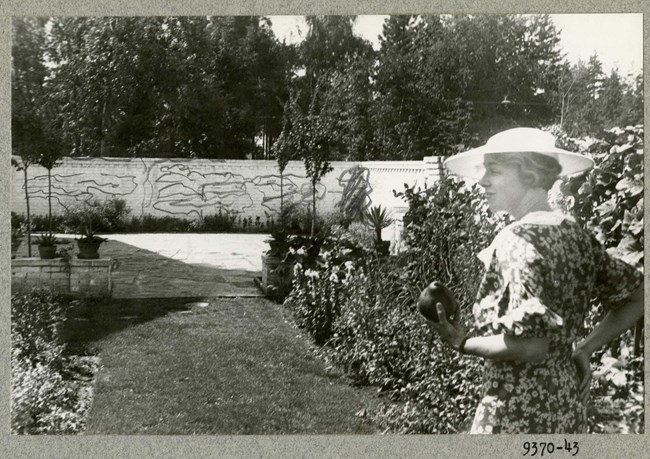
188, 188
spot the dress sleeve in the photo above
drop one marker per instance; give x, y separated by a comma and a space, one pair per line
615, 280
517, 302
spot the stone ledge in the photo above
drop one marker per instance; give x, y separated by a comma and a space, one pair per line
37, 262
100, 262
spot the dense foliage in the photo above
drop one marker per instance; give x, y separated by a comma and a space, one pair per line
157, 86
218, 86
49, 387
590, 101
608, 201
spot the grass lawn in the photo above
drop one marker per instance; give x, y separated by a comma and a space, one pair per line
234, 366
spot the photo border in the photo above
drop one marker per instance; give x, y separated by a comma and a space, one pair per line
594, 445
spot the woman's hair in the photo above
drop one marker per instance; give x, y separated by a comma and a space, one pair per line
543, 169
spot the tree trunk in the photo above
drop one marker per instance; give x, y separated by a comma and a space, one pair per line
282, 198
638, 337
313, 208
29, 218
49, 197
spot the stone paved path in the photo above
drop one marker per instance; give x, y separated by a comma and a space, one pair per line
184, 265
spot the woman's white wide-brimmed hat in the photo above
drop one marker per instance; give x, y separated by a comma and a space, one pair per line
517, 140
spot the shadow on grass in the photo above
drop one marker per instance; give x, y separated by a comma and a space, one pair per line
158, 285
92, 320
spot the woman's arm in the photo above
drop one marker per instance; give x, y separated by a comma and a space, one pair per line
508, 347
496, 347
615, 323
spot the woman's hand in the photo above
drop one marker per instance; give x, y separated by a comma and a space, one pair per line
581, 360
450, 332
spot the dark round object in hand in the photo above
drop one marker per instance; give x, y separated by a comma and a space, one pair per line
437, 292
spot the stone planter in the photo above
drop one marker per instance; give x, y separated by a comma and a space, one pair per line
276, 277
85, 278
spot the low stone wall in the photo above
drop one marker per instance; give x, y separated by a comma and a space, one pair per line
88, 278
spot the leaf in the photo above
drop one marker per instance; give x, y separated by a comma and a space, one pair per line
618, 378
631, 186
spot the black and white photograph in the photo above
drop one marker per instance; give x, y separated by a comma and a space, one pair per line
399, 226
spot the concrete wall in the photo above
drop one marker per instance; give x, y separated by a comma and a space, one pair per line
187, 188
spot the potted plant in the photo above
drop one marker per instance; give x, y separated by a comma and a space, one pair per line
84, 220
88, 243
47, 246
378, 219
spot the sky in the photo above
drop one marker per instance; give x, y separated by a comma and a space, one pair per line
617, 39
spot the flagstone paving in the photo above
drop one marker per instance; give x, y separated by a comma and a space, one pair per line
185, 265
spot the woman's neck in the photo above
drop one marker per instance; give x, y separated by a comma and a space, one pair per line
534, 200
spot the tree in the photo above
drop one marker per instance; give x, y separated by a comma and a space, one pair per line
284, 148
32, 134
441, 80
166, 86
329, 44
49, 158
309, 135
579, 89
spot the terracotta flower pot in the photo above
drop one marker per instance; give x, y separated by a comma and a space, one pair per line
47, 252
88, 250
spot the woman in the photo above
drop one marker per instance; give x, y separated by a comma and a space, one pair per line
542, 272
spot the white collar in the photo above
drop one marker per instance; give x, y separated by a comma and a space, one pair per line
542, 217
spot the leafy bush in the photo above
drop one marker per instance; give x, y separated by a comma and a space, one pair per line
321, 272
608, 201
37, 320
18, 220
42, 223
91, 217
46, 397
155, 224
221, 222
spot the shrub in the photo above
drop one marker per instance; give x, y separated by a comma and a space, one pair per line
18, 220
37, 320
45, 397
221, 222
155, 224
321, 272
41, 223
608, 201
93, 216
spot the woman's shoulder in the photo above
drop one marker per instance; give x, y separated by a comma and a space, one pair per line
544, 224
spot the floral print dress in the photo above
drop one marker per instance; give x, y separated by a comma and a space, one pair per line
542, 273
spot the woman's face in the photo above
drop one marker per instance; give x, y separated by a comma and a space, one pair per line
504, 189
